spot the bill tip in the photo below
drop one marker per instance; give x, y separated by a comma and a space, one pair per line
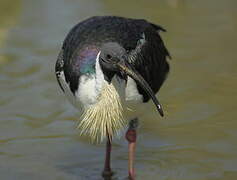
160, 110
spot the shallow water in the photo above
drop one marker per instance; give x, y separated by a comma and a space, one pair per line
195, 141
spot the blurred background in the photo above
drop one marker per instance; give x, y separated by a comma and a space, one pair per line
197, 139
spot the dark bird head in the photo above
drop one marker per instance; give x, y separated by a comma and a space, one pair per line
113, 60
110, 56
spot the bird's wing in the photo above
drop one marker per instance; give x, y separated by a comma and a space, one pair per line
59, 68
149, 58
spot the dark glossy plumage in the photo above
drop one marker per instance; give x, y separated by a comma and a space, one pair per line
140, 39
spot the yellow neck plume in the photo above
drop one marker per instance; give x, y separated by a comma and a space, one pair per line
105, 118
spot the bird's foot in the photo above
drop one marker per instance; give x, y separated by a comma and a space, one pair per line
107, 174
131, 175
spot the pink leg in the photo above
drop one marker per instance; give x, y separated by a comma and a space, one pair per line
131, 136
107, 173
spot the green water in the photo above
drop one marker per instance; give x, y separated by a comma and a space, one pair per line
197, 139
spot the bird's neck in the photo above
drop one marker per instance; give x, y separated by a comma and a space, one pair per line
105, 117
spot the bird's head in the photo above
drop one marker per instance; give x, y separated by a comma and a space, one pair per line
111, 55
113, 60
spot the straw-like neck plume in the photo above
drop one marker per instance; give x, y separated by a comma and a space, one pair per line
105, 117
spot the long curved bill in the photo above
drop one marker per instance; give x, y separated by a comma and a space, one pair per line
127, 69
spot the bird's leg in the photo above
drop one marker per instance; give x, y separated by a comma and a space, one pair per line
107, 173
131, 136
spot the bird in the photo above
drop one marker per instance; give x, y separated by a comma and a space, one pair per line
106, 65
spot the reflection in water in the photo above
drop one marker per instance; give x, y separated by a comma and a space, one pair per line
195, 140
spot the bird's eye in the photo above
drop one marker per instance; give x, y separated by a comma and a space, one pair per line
123, 57
108, 56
